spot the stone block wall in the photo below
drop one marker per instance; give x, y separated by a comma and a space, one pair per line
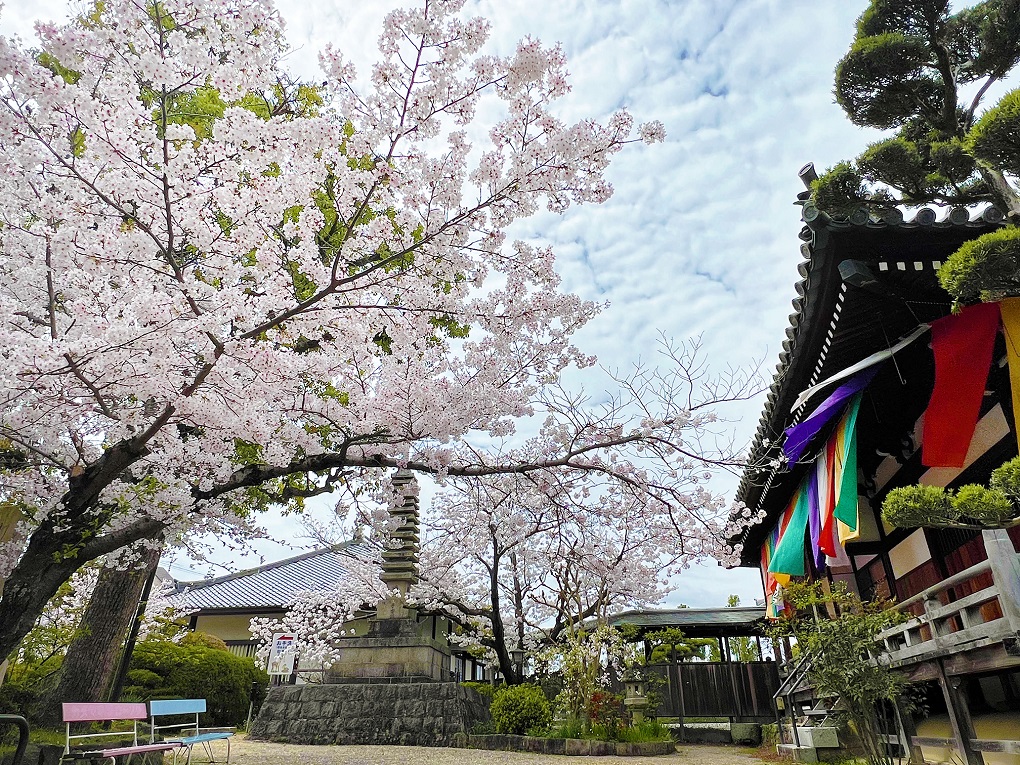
421, 714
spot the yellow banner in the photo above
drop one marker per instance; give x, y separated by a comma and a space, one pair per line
1010, 310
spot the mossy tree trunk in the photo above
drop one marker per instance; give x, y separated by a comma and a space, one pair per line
91, 661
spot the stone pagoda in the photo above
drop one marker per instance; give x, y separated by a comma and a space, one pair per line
392, 685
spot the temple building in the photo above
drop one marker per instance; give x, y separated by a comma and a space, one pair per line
881, 385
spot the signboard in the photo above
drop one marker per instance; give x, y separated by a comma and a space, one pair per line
282, 654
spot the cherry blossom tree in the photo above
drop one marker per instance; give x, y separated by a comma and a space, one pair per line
521, 560
520, 563
318, 618
201, 317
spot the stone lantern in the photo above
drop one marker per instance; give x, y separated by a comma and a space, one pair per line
635, 699
517, 656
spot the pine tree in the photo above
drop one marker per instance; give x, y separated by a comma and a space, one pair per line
923, 71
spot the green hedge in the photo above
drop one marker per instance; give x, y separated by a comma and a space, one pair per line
163, 670
518, 709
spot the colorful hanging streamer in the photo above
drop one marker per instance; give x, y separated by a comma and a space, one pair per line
1010, 308
822, 512
788, 558
826, 468
962, 345
798, 436
845, 510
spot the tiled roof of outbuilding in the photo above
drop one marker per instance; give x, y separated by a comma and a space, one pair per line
695, 622
272, 585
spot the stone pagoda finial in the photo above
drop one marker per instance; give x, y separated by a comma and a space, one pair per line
400, 561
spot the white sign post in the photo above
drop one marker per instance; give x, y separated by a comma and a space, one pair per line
282, 654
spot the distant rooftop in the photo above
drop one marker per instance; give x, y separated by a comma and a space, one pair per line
272, 585
695, 622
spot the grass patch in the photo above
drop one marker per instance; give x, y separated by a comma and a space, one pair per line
647, 730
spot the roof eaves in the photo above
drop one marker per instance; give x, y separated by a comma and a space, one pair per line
815, 236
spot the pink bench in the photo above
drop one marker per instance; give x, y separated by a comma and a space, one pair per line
96, 712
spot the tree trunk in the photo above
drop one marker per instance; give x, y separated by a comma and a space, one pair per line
34, 580
50, 560
91, 661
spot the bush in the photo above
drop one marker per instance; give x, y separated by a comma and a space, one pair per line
911, 506
18, 699
518, 709
164, 670
646, 730
203, 639
485, 690
984, 269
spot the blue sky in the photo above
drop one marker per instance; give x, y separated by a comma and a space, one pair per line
700, 236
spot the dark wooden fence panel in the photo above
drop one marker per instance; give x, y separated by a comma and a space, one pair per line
738, 690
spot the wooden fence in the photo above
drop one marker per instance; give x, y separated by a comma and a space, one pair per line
740, 691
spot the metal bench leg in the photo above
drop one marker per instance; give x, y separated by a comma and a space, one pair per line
228, 752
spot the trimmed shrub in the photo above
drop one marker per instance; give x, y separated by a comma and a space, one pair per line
984, 269
164, 670
18, 699
518, 709
911, 506
1006, 478
203, 639
987, 506
995, 137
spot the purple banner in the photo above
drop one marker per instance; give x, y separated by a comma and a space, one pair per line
798, 436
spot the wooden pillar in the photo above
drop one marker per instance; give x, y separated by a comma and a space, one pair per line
787, 650
680, 690
959, 714
906, 729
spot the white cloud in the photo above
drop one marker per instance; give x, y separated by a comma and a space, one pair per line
700, 236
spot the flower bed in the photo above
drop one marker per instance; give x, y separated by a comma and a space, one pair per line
574, 746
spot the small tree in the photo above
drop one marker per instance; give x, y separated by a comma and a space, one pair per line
670, 644
583, 659
846, 660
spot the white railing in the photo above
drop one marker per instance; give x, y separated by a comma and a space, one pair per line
949, 628
243, 648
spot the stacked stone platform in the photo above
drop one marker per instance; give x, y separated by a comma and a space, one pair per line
407, 713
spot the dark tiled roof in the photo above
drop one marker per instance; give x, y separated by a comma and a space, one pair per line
272, 585
695, 622
833, 325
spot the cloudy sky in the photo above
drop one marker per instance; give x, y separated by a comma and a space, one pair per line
700, 237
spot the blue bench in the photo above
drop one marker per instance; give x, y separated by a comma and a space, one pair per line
189, 733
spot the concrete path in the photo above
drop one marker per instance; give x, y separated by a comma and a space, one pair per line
258, 753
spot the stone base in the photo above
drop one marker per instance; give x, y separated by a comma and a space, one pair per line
394, 648
396, 657
818, 737
418, 714
807, 754
746, 733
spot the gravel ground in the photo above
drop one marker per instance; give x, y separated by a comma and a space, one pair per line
258, 753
